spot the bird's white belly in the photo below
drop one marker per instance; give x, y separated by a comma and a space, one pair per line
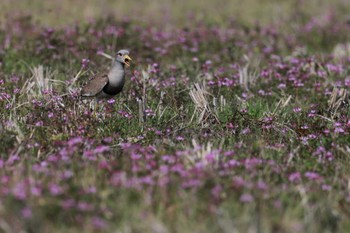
116, 77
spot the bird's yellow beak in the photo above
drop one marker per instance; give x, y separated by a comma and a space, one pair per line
127, 60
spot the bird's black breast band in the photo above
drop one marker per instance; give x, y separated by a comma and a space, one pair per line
110, 90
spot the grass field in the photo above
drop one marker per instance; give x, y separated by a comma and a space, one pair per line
234, 118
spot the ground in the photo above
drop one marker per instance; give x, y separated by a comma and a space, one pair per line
234, 117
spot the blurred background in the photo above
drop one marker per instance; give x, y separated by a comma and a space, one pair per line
55, 13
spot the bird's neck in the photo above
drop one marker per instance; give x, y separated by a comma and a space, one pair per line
116, 74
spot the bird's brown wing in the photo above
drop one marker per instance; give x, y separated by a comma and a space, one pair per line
95, 85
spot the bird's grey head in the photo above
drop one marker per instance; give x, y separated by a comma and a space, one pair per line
123, 57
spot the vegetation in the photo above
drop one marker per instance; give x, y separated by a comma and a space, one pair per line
227, 123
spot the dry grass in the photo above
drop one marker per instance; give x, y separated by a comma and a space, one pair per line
341, 51
338, 101
247, 78
41, 80
203, 110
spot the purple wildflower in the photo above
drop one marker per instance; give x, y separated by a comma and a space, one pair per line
246, 198
85, 63
55, 189
312, 176
101, 149
26, 213
99, 223
294, 177
111, 101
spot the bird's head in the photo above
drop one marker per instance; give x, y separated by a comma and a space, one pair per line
123, 57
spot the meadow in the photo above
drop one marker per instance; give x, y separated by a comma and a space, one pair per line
235, 117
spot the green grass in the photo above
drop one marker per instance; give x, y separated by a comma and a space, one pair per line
217, 148
169, 12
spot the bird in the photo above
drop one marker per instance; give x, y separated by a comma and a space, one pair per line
107, 85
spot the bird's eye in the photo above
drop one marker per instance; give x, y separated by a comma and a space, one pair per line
119, 54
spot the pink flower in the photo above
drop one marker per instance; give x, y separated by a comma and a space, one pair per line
111, 101
294, 177
312, 176
67, 204
85, 63
246, 131
99, 223
238, 181
246, 198
83, 206
19, 191
26, 213
179, 138
74, 141
216, 191
296, 110
347, 82
35, 191
262, 185
101, 149
339, 130
39, 123
55, 189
